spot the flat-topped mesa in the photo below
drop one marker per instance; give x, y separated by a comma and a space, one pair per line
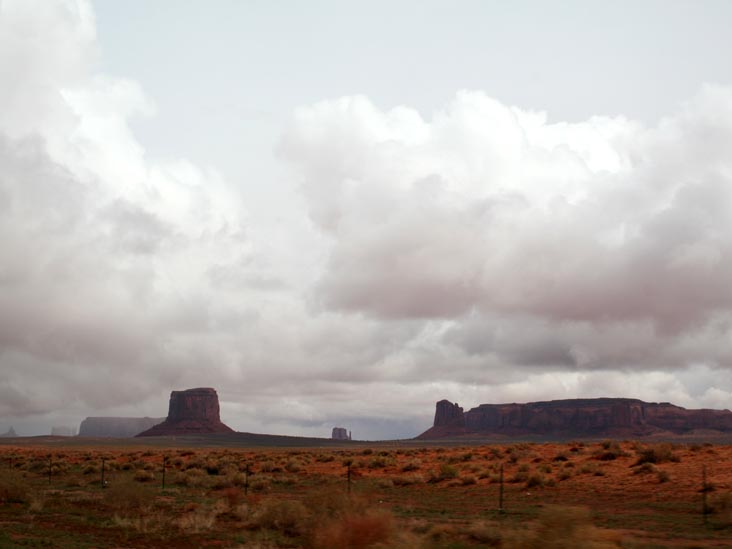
340, 433
190, 412
117, 427
574, 417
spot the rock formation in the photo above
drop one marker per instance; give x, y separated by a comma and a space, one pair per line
190, 412
340, 433
574, 417
10, 433
118, 427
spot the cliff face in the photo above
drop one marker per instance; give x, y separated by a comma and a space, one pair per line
194, 411
118, 427
575, 417
449, 421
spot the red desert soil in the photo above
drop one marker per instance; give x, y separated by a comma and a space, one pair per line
628, 494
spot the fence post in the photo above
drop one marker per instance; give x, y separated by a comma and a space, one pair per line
705, 489
164, 460
103, 485
348, 463
246, 479
500, 490
50, 463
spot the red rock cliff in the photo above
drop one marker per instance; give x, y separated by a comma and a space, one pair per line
194, 411
574, 417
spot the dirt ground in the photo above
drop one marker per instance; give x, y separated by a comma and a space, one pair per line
577, 494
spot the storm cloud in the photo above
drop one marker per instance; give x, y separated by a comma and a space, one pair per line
482, 254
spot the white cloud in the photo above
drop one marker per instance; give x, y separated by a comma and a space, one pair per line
483, 254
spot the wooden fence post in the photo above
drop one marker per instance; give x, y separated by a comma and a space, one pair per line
165, 458
705, 489
103, 483
500, 491
246, 479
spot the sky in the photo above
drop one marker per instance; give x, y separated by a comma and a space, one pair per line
338, 213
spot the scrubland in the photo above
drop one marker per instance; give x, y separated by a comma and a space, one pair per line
579, 494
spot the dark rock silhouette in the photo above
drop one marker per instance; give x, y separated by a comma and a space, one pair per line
10, 433
340, 433
194, 411
575, 417
118, 427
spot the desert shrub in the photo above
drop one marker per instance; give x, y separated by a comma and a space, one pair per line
12, 489
545, 468
141, 475
610, 450
90, 469
659, 453
589, 469
223, 482
259, 484
293, 466
142, 524
367, 452
212, 468
191, 478
484, 533
407, 480
523, 468
412, 465
267, 466
467, 480
561, 456
535, 479
325, 458
447, 472
291, 518
127, 496
38, 466
645, 469
564, 474
562, 527
520, 476
378, 462
662, 476
355, 530
198, 520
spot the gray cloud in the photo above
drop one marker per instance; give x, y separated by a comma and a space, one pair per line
481, 255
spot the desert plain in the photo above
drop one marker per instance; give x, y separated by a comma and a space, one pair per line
55, 492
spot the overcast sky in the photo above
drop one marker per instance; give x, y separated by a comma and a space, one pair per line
338, 213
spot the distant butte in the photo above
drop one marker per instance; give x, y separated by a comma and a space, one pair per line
119, 427
621, 417
190, 412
